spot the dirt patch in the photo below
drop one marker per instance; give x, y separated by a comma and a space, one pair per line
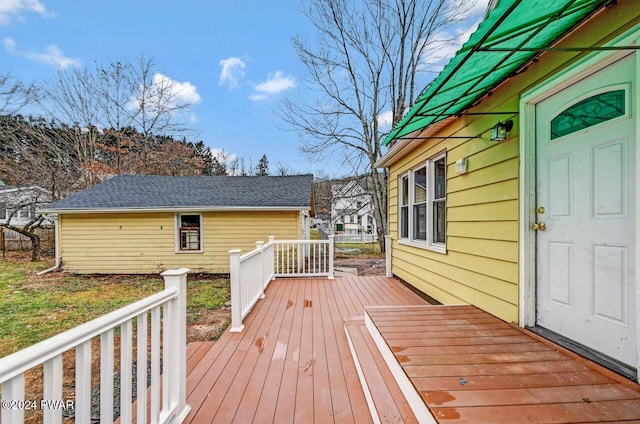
365, 266
209, 326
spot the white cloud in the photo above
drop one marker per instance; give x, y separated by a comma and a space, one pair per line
232, 71
9, 44
10, 9
385, 119
52, 55
181, 92
445, 44
258, 97
275, 83
166, 95
223, 156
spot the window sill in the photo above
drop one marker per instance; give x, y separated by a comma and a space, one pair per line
189, 252
433, 247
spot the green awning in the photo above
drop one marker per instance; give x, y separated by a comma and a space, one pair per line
511, 35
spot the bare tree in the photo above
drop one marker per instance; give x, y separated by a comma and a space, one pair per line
14, 94
114, 98
18, 201
364, 64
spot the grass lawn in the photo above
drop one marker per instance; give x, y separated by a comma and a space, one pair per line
352, 250
35, 308
358, 250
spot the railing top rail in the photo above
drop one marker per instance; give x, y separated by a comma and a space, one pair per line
254, 252
23, 360
249, 254
301, 241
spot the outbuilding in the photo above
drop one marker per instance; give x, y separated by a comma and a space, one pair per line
138, 224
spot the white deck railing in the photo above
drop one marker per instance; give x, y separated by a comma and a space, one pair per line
252, 272
304, 258
166, 310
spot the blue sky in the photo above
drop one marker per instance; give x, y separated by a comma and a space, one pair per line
232, 58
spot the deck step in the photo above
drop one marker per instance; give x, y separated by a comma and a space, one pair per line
386, 401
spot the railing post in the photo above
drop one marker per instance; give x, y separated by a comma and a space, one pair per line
260, 246
236, 294
331, 249
387, 250
273, 266
177, 323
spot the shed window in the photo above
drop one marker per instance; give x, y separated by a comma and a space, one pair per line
189, 233
588, 113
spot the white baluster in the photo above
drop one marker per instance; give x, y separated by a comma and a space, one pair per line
125, 371
106, 377
83, 383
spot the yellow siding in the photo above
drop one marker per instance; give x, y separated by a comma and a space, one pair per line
140, 243
481, 265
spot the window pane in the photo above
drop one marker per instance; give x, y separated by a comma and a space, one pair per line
439, 221
589, 112
420, 221
404, 222
189, 232
420, 182
439, 178
190, 220
404, 191
190, 239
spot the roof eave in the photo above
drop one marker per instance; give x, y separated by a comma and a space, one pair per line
174, 209
402, 146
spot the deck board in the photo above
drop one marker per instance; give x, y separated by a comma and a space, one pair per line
389, 402
291, 363
470, 367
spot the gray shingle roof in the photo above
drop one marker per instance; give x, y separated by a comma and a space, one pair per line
164, 192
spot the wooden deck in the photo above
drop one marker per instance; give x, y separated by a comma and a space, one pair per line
470, 367
292, 363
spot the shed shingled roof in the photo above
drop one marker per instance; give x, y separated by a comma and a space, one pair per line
125, 192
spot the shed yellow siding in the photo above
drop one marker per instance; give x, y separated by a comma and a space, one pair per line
481, 265
141, 243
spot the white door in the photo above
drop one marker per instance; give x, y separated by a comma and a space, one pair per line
585, 173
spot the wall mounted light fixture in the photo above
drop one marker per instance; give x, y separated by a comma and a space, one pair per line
500, 131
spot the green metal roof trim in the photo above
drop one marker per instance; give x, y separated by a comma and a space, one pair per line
519, 30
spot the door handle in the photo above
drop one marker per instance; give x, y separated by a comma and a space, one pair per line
539, 226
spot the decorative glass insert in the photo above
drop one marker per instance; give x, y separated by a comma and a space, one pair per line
589, 112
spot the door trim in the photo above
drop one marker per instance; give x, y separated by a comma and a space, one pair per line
527, 174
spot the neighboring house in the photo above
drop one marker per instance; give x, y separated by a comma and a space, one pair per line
352, 209
537, 226
146, 224
18, 204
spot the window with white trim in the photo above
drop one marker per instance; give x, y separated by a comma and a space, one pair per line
422, 205
189, 233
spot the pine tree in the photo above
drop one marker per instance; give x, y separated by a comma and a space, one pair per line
262, 169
